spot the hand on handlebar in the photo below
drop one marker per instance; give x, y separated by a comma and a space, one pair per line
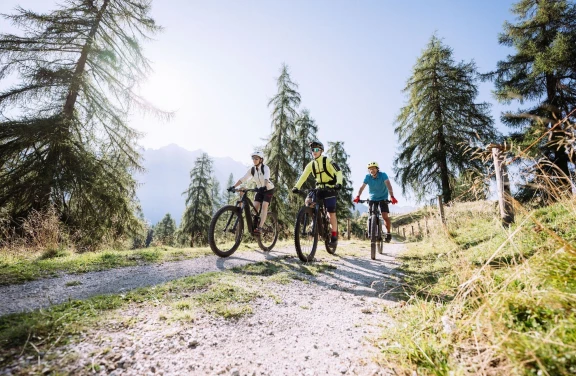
231, 189
338, 187
393, 200
356, 200
294, 190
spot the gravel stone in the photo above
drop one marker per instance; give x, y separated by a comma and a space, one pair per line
321, 326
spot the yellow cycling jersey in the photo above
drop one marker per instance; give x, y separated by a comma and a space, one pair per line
323, 178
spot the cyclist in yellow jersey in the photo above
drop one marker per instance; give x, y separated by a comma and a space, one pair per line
327, 175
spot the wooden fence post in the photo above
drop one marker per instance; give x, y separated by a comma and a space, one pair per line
441, 209
503, 185
403, 231
348, 229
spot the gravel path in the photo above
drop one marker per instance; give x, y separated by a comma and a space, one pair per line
324, 325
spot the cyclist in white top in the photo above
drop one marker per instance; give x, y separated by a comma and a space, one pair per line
261, 175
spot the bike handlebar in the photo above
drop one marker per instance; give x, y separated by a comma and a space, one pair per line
244, 190
306, 191
369, 201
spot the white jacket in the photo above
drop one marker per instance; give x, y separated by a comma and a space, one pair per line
262, 178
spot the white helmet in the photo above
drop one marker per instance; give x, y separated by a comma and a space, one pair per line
258, 153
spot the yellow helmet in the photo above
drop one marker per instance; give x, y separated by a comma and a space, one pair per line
373, 164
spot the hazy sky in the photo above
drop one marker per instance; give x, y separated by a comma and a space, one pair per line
216, 65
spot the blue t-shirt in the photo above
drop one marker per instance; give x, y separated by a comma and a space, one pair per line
376, 186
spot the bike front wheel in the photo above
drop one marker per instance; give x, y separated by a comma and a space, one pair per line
268, 233
225, 232
305, 234
373, 236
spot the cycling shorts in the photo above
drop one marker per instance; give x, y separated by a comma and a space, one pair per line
383, 206
264, 195
329, 198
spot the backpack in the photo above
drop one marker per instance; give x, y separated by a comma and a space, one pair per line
253, 169
332, 177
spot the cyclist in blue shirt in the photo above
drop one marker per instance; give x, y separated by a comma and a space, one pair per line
379, 186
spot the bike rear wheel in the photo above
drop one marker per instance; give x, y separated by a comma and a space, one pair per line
225, 232
327, 237
373, 236
268, 233
305, 234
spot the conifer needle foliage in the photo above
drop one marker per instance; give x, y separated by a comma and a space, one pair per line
440, 126
64, 139
542, 72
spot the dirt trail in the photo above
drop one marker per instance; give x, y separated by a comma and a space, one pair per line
323, 325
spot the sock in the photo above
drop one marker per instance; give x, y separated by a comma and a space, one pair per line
334, 233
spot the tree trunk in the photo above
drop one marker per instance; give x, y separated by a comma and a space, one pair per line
80, 66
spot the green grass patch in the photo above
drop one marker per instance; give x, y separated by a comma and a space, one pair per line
21, 267
486, 300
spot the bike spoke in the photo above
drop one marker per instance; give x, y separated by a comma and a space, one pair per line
225, 231
305, 235
268, 233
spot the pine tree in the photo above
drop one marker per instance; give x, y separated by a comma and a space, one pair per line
305, 130
64, 140
280, 149
344, 204
165, 229
542, 72
215, 194
198, 212
440, 126
229, 197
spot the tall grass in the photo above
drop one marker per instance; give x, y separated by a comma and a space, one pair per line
486, 300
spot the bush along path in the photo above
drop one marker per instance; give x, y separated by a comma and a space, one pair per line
251, 314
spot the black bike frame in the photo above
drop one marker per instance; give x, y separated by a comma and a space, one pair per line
245, 205
320, 214
374, 209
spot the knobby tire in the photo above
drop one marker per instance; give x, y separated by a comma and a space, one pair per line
269, 233
305, 234
373, 236
223, 237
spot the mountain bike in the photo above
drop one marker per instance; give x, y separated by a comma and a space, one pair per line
375, 226
227, 226
312, 223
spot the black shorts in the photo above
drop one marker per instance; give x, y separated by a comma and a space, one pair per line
383, 206
264, 195
329, 197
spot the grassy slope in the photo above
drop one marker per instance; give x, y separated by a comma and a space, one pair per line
22, 267
485, 300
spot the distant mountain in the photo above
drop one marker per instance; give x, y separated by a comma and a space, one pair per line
167, 175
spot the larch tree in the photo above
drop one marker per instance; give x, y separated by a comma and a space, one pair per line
279, 150
215, 195
198, 212
165, 230
541, 72
229, 197
344, 202
64, 138
440, 126
305, 132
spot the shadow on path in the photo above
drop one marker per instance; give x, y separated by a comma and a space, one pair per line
352, 274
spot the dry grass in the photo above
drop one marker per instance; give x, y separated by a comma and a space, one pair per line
487, 300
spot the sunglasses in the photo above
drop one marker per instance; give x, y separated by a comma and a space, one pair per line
255, 158
316, 150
